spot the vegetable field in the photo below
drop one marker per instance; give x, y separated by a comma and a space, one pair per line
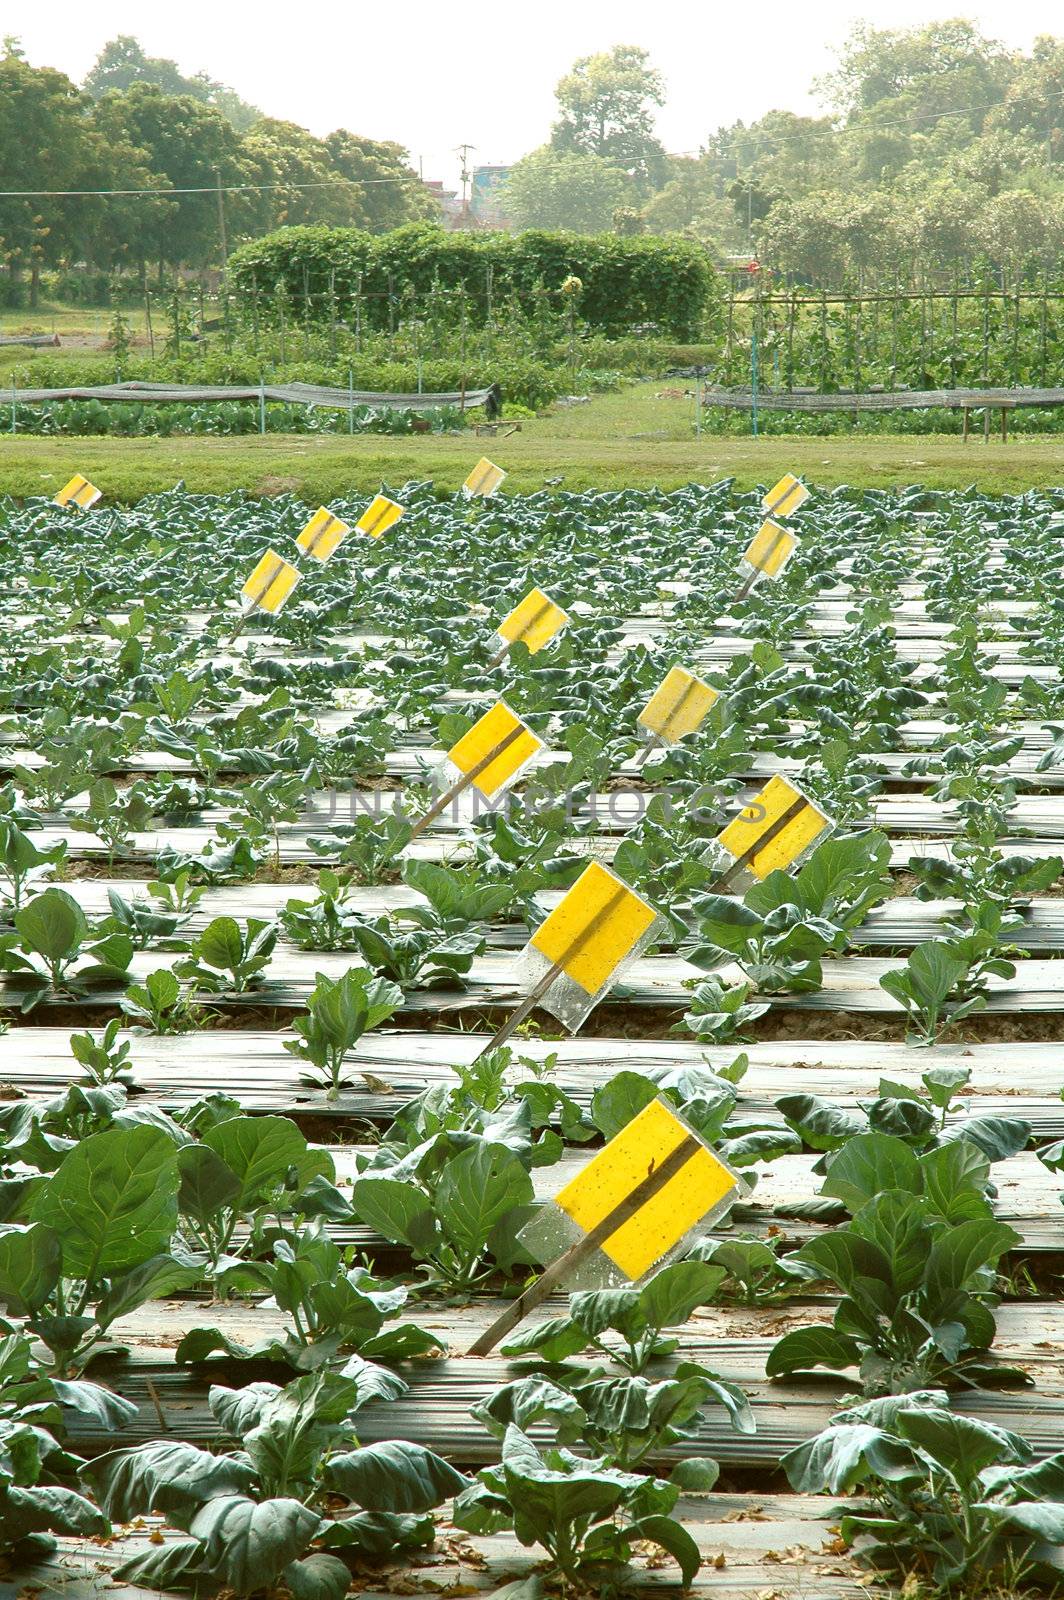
262, 1187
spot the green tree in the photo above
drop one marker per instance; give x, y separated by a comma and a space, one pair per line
391, 193
577, 192
122, 63
42, 147
310, 188
191, 147
693, 203
606, 105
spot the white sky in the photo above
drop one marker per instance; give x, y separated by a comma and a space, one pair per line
432, 75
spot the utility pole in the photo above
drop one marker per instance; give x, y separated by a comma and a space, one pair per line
221, 219
463, 151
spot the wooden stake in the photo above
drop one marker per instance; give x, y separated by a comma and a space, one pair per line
652, 744
500, 656
555, 1275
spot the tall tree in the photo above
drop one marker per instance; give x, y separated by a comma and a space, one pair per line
42, 147
122, 63
606, 105
567, 189
391, 191
193, 149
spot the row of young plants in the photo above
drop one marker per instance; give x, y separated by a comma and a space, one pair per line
141, 419
246, 1205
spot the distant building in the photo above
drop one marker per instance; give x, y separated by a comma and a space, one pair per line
484, 199
448, 201
483, 208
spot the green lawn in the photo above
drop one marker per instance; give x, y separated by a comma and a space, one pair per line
631, 438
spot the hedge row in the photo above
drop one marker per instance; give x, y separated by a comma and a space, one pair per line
665, 284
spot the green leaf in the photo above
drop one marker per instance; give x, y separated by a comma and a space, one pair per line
961, 1445
615, 1104
208, 1184
165, 1566
959, 1252
674, 1538
868, 1164
954, 1180
804, 1348
394, 1476
259, 1151
317, 1577
670, 1296
166, 1475
845, 1455
30, 1265
112, 1201
248, 1545
53, 924
47, 1508
822, 1125
396, 1210
696, 1475
1044, 1521
153, 1279
476, 1189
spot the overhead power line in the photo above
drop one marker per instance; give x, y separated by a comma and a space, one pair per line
209, 188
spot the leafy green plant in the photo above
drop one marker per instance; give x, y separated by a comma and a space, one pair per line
949, 1500
756, 1271
459, 895
587, 1515
95, 1242
719, 1012
113, 815
944, 981
915, 1266
457, 1199
364, 851
22, 864
284, 1508
161, 1005
339, 1012
627, 1421
106, 1059
785, 924
226, 958
334, 1306
625, 1323
247, 1180
920, 1117
37, 1498
51, 938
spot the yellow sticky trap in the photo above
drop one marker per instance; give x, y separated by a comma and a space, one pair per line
380, 515
784, 498
774, 829
660, 1223
78, 492
322, 535
770, 549
678, 706
498, 729
597, 924
533, 622
484, 479
271, 583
